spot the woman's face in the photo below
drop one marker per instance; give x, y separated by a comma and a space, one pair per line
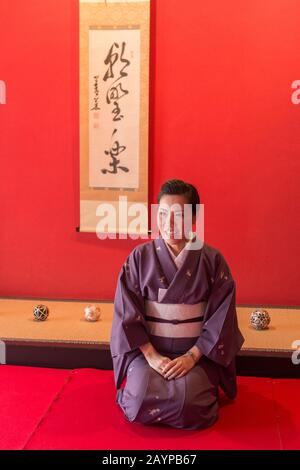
171, 218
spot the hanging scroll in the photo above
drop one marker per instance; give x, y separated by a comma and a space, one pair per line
114, 78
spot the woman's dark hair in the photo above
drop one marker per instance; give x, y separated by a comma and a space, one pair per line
179, 187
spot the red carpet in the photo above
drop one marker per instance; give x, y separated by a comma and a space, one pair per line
26, 393
55, 409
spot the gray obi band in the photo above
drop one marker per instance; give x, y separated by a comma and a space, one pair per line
174, 320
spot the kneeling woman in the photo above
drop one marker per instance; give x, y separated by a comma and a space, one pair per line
175, 333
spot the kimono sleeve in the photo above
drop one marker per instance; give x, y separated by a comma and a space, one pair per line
129, 330
221, 339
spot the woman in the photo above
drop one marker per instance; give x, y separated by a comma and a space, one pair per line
175, 333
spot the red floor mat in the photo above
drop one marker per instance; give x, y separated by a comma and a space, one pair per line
55, 409
86, 417
287, 398
26, 393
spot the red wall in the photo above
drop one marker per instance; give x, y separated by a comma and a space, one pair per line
221, 118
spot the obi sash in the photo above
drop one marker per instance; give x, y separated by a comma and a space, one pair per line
174, 320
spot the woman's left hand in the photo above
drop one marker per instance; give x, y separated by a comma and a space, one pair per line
178, 367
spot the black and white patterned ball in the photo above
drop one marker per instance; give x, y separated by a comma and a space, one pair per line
260, 319
40, 312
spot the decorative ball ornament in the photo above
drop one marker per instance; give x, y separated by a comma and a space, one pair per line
92, 313
41, 312
260, 319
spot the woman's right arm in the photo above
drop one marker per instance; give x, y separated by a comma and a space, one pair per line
154, 359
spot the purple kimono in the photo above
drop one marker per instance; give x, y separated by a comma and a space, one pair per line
174, 308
